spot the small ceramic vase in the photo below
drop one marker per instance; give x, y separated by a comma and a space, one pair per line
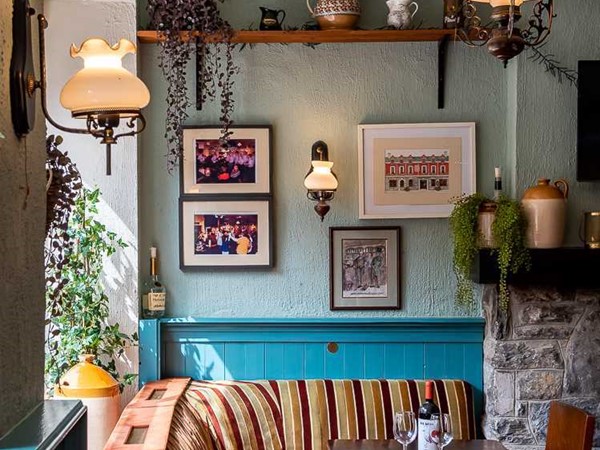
485, 220
545, 207
400, 15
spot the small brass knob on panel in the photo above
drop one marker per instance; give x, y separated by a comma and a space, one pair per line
332, 347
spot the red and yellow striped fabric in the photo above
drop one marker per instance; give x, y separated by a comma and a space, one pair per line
299, 404
240, 415
364, 409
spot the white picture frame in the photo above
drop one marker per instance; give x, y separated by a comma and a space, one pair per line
439, 156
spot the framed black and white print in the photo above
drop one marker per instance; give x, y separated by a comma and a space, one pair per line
364, 268
241, 165
224, 233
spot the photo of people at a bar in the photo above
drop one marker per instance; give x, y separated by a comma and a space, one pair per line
225, 234
231, 162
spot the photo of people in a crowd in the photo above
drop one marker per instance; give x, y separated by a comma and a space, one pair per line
225, 234
231, 162
364, 268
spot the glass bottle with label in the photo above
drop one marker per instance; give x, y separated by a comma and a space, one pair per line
155, 292
427, 424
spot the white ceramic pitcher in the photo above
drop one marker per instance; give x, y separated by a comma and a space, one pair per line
400, 15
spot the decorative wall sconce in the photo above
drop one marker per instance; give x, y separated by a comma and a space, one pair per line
320, 181
503, 39
102, 93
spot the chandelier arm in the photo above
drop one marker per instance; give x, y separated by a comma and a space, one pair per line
41, 84
472, 30
131, 124
538, 32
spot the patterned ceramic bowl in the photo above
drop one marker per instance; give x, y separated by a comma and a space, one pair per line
330, 7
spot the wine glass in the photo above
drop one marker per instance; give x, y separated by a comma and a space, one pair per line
443, 436
405, 427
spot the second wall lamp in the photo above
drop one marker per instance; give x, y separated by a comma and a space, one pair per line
320, 181
102, 93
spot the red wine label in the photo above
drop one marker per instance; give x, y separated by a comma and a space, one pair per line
429, 431
156, 301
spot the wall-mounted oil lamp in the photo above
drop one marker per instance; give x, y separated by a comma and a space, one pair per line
102, 93
320, 181
503, 39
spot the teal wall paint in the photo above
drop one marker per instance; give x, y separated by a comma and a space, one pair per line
324, 93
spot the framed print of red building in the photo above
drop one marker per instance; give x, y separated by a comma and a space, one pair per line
407, 170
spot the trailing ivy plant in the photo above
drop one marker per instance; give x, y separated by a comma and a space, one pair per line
508, 230
215, 66
77, 312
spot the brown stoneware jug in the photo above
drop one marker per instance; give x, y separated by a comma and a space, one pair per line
545, 207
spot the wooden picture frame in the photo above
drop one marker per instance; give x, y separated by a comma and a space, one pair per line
364, 268
242, 167
414, 170
224, 233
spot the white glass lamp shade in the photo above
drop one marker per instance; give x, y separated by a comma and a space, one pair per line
321, 178
103, 85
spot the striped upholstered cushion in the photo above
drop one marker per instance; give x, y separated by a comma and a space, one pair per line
189, 429
364, 409
299, 403
240, 415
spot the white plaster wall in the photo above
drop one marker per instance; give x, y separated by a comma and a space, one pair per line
23, 200
73, 21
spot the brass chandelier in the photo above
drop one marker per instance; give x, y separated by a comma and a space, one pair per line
502, 37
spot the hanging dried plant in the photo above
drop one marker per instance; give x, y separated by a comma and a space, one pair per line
215, 65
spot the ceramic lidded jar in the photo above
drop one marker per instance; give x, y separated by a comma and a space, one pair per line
545, 207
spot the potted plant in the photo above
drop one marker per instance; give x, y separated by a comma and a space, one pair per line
76, 303
215, 67
509, 229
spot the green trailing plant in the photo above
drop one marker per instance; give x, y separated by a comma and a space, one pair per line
463, 222
508, 230
77, 312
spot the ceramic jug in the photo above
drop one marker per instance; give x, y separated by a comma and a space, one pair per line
270, 18
545, 208
335, 14
400, 15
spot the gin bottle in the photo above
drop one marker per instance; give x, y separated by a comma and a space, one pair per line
155, 293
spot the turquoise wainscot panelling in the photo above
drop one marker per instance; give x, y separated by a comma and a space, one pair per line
251, 349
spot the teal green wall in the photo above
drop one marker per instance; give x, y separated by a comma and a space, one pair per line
324, 93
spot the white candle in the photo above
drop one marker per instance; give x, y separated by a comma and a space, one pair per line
498, 172
153, 252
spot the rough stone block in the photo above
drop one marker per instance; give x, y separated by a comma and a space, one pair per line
529, 294
588, 297
502, 398
543, 332
509, 430
526, 355
521, 409
539, 384
582, 357
542, 314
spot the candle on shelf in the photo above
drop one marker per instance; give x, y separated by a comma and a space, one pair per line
497, 183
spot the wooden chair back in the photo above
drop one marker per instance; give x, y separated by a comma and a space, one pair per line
569, 428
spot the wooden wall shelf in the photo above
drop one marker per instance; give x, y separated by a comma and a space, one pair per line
317, 37
571, 266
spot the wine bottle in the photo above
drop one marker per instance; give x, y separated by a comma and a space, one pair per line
427, 426
497, 184
154, 298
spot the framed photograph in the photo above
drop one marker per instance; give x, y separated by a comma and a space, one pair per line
364, 265
414, 170
242, 165
225, 234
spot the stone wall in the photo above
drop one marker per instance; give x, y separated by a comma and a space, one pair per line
547, 347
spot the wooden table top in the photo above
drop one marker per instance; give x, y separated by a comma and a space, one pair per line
393, 445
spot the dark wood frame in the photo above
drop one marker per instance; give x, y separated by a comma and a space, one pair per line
235, 127
397, 278
226, 198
